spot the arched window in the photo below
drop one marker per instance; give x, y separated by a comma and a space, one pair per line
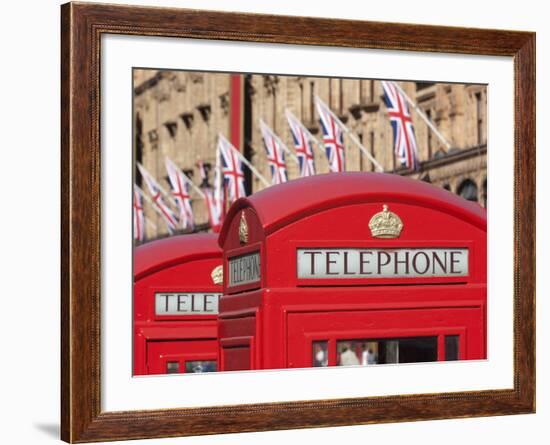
468, 190
485, 193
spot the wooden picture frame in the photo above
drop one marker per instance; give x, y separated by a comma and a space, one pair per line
82, 26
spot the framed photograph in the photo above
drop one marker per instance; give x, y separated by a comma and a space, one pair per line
275, 222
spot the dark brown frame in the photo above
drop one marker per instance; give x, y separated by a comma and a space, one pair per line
81, 27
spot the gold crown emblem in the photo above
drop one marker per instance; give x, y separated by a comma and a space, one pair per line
217, 274
385, 224
243, 230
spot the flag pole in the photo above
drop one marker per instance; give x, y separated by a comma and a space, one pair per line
218, 180
352, 137
248, 164
320, 145
198, 190
151, 223
285, 148
423, 116
218, 190
188, 180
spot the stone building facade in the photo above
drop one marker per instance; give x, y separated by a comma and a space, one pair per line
179, 114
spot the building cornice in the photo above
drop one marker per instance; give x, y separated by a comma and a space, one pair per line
445, 159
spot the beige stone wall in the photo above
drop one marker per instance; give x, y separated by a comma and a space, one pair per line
183, 112
181, 115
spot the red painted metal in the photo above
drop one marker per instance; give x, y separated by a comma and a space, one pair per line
236, 105
181, 263
272, 323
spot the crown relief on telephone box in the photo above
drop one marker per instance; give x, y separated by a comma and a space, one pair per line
351, 269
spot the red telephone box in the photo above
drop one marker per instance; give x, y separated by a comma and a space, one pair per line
350, 269
177, 285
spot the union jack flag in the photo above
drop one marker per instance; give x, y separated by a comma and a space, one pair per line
302, 144
403, 130
214, 214
231, 169
218, 205
333, 138
275, 155
203, 172
180, 191
156, 196
139, 217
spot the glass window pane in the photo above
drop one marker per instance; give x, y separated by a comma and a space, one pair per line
389, 351
172, 367
201, 366
468, 190
348, 353
369, 353
419, 349
451, 347
320, 353
383, 351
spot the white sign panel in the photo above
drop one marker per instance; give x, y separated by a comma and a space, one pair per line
382, 263
244, 269
186, 303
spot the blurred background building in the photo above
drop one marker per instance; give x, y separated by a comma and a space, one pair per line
179, 114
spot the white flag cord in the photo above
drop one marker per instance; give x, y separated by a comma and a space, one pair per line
352, 137
423, 116
319, 144
248, 164
151, 223
282, 144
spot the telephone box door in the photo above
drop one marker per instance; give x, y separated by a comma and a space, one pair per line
384, 336
181, 356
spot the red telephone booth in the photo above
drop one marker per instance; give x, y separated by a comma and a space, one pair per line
351, 269
177, 285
